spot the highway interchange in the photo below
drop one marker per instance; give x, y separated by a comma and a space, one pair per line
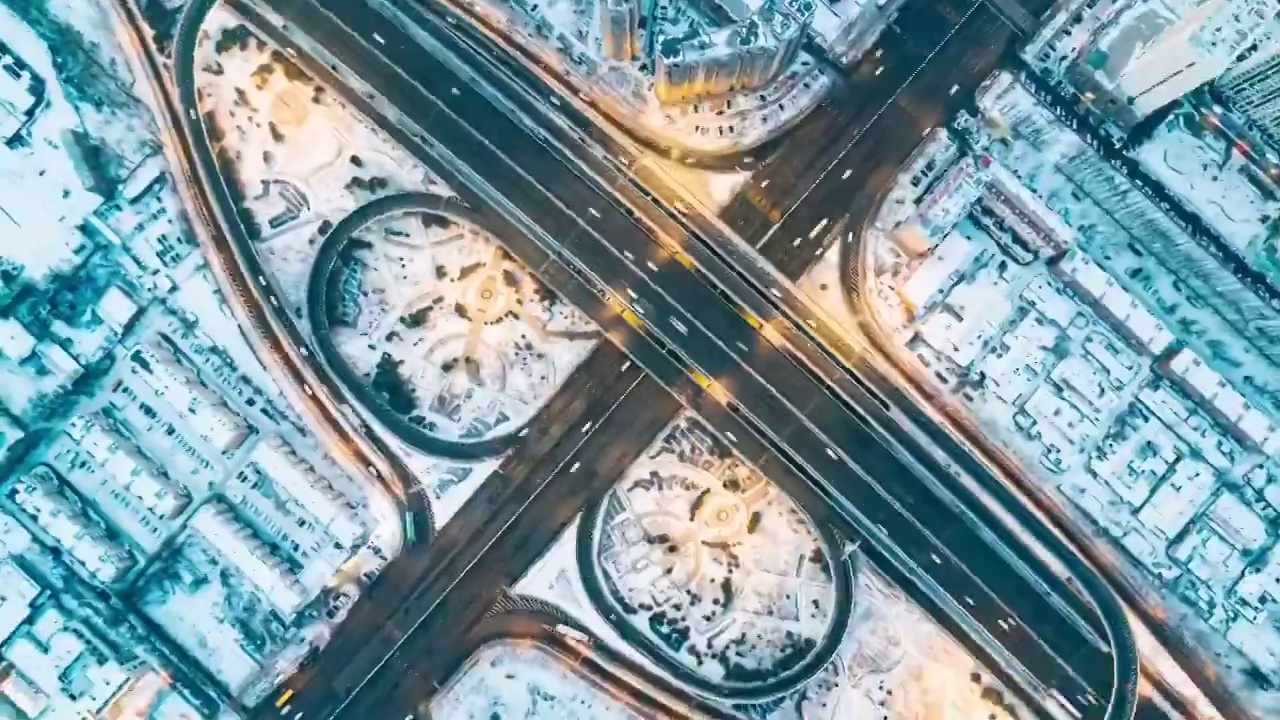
822, 444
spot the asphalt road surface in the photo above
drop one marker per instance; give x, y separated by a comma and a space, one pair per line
715, 342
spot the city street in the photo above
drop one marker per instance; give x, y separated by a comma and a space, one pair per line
596, 359
798, 449
561, 231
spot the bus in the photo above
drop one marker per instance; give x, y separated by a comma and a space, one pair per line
410, 529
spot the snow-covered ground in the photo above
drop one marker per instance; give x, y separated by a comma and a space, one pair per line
479, 340
892, 662
45, 169
704, 191
1198, 165
711, 563
306, 160
184, 588
303, 159
1076, 380
1066, 33
448, 483
196, 296
895, 662
520, 680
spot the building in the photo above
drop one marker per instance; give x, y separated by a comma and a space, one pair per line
975, 309
1238, 416
1177, 498
745, 56
184, 457
126, 470
210, 417
217, 525
115, 309
86, 343
33, 374
15, 342
280, 520
1252, 86
620, 29
937, 274
350, 278
18, 592
1257, 594
60, 669
151, 696
1155, 52
41, 499
928, 161
1064, 35
144, 220
298, 480
848, 38
22, 95
1101, 292
1188, 253
1035, 227
950, 199
58, 362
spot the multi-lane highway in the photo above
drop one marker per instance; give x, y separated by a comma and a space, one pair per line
426, 602
785, 328
921, 70
713, 360
458, 574
726, 345
444, 570
602, 363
